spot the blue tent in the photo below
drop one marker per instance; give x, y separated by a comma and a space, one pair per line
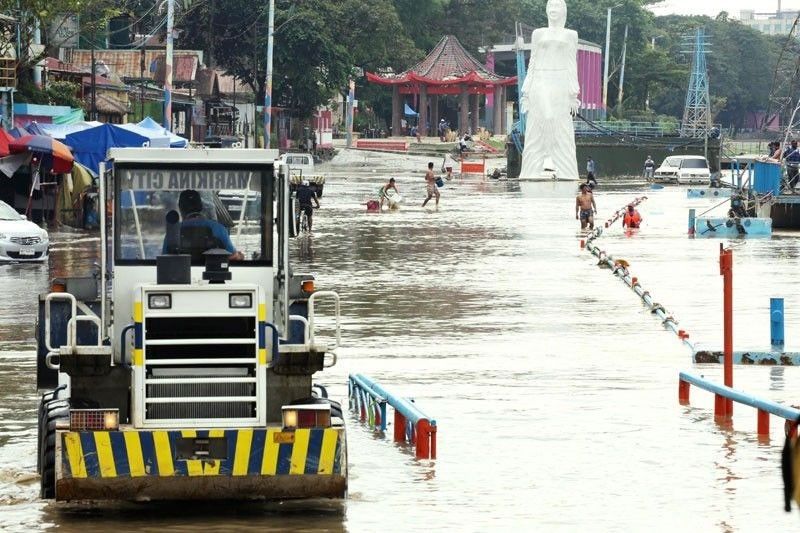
410, 112
60, 131
34, 129
18, 132
90, 147
157, 138
175, 141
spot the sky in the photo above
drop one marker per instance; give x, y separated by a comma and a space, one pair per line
712, 7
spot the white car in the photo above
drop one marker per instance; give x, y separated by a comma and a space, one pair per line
693, 170
20, 239
668, 171
683, 169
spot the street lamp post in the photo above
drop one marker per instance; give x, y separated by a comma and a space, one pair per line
268, 80
607, 54
647, 94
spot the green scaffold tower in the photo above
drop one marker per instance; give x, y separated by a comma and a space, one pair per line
697, 112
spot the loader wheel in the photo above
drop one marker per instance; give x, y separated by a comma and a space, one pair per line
52, 412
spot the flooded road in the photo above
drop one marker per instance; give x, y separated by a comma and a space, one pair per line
554, 390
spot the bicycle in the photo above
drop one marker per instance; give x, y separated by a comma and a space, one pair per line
302, 222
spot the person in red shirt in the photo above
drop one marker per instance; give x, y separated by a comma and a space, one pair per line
632, 218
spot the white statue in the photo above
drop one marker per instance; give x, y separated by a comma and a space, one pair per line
550, 97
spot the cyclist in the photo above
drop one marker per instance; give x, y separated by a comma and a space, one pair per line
305, 195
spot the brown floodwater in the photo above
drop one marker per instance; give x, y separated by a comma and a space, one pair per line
554, 389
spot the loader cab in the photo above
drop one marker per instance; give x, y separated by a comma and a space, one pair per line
150, 216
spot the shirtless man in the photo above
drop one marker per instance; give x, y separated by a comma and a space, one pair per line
433, 190
385, 188
585, 208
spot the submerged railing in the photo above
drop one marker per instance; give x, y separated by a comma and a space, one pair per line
411, 425
723, 396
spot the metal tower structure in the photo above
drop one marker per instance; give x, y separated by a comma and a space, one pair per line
697, 111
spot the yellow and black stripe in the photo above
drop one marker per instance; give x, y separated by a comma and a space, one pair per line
138, 334
251, 452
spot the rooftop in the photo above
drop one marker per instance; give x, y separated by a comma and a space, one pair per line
447, 64
128, 63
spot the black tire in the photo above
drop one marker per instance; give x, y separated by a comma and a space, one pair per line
46, 399
54, 411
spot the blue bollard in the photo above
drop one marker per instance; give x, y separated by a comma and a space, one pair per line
776, 323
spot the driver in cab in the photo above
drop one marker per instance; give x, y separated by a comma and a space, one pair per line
190, 206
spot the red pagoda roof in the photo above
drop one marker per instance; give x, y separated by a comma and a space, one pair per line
447, 64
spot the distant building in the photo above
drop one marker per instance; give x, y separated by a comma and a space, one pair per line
502, 56
775, 23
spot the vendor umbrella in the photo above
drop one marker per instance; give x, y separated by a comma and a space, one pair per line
53, 156
48, 155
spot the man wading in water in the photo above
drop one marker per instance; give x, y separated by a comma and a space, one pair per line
430, 180
585, 207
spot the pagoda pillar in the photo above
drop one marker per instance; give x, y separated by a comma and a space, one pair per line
476, 109
498, 110
434, 114
396, 111
503, 111
463, 111
422, 126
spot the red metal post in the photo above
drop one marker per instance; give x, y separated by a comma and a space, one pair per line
683, 391
377, 409
726, 270
423, 432
720, 405
362, 400
433, 442
399, 427
763, 422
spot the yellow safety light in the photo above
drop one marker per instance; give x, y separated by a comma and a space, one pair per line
94, 419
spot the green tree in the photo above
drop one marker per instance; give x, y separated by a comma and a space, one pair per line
63, 93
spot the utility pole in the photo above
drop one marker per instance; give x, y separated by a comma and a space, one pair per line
351, 96
255, 77
141, 82
93, 111
168, 66
37, 40
622, 70
605, 59
268, 80
647, 92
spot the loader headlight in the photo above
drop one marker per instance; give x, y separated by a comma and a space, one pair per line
159, 301
94, 419
306, 416
240, 301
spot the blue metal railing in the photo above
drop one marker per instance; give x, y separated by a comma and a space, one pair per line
639, 129
723, 393
369, 399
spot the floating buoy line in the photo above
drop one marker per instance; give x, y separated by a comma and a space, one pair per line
620, 268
